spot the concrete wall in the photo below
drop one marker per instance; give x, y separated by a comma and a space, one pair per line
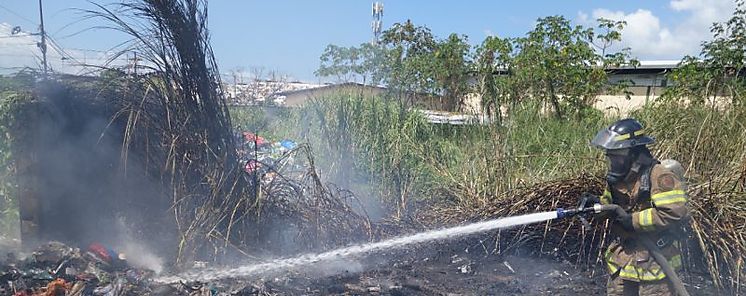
616, 104
297, 98
620, 105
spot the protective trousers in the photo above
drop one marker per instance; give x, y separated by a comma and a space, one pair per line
620, 287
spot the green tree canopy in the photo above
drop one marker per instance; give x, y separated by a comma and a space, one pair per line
718, 70
556, 64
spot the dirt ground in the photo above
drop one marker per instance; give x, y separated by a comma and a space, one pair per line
427, 272
442, 269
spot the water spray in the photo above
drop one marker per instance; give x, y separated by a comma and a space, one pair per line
253, 270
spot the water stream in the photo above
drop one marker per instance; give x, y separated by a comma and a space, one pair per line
251, 270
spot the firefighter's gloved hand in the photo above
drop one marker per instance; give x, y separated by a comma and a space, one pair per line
625, 221
590, 199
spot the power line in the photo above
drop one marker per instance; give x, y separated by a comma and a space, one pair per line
92, 50
18, 15
14, 68
16, 44
59, 49
20, 55
17, 36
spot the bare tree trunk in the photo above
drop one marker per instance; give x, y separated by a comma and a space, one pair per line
554, 99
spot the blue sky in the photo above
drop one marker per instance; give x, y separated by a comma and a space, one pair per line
289, 36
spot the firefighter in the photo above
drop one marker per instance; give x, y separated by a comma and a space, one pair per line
655, 201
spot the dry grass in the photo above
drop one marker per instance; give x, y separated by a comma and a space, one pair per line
176, 123
566, 238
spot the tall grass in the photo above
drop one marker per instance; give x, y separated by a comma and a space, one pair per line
526, 149
180, 112
9, 215
13, 91
404, 159
374, 135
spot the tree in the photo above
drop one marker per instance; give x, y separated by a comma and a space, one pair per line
557, 64
417, 63
604, 42
409, 58
364, 63
340, 62
719, 67
450, 71
409, 61
492, 67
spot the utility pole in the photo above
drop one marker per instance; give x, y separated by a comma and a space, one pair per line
43, 44
135, 59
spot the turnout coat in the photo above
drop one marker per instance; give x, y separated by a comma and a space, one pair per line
657, 200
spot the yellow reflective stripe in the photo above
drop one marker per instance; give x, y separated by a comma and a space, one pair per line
639, 273
667, 193
680, 199
646, 219
627, 136
610, 263
668, 197
606, 197
612, 266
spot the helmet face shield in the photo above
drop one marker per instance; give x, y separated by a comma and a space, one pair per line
606, 139
611, 140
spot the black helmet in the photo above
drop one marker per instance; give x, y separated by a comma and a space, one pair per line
623, 141
625, 133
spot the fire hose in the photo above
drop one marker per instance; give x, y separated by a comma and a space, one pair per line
653, 249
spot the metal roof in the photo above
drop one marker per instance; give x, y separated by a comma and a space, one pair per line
654, 64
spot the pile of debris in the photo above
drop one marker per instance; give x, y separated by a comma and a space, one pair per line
58, 269
262, 156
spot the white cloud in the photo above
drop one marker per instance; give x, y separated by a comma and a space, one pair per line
583, 17
650, 39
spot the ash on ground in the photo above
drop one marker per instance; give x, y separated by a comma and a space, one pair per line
57, 269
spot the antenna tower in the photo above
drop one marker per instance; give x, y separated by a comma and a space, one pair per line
377, 24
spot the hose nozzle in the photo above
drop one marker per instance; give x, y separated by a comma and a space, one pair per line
562, 213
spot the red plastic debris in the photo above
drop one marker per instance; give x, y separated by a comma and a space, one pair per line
252, 165
56, 287
100, 252
251, 137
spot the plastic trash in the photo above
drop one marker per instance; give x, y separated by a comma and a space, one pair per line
288, 144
